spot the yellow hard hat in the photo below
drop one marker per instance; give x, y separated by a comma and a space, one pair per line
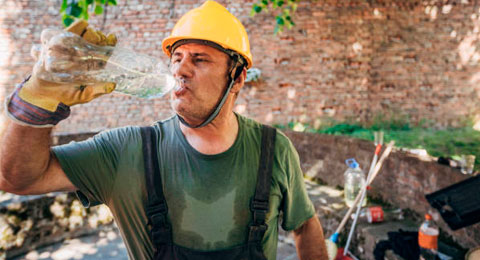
211, 22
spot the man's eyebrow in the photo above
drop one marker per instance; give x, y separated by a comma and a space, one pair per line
200, 54
195, 54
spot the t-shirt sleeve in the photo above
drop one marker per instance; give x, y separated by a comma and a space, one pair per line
91, 165
296, 205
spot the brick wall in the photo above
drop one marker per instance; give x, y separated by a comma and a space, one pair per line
344, 59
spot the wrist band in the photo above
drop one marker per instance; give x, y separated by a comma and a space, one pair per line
25, 113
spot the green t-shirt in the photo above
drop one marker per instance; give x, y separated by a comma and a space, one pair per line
208, 196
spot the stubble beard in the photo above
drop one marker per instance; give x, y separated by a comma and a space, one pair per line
191, 111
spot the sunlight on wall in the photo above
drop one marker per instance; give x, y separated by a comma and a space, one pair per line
467, 50
446, 9
269, 117
240, 108
357, 47
5, 55
431, 11
291, 93
470, 55
9, 9
476, 125
252, 92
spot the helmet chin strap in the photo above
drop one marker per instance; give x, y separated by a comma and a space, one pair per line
220, 104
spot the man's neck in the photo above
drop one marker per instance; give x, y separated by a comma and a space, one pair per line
214, 138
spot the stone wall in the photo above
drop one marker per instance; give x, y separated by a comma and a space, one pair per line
403, 181
348, 59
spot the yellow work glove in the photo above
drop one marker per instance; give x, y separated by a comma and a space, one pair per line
41, 103
48, 95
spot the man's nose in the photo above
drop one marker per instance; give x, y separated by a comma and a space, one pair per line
182, 69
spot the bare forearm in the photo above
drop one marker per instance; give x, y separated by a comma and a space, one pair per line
24, 155
309, 240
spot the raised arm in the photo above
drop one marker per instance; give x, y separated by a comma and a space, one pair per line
26, 164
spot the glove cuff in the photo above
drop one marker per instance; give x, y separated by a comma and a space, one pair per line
28, 114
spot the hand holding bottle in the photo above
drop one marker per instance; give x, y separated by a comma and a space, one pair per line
78, 65
65, 57
42, 102
47, 93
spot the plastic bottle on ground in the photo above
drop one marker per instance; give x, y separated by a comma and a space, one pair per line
354, 181
376, 214
428, 239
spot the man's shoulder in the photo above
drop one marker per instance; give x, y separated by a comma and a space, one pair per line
119, 133
250, 124
133, 131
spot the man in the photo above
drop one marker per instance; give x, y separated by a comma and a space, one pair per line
203, 169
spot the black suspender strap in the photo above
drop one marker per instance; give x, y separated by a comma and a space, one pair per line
156, 209
260, 202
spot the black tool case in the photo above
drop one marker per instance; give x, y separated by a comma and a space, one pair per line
459, 204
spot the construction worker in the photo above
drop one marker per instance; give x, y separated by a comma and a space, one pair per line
206, 183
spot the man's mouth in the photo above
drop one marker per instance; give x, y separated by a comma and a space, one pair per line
180, 90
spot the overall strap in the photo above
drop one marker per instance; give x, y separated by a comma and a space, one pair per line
260, 203
156, 209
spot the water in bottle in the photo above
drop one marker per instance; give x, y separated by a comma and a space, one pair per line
428, 239
354, 182
65, 57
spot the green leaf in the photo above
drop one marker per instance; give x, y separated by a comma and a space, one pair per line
112, 2
74, 10
294, 7
280, 3
280, 20
85, 14
257, 8
98, 9
64, 6
89, 2
265, 2
67, 21
83, 4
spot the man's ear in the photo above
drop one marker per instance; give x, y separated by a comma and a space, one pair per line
240, 81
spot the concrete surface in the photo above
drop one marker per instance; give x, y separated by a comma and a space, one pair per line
107, 244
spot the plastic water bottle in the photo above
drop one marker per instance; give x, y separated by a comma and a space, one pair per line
428, 239
354, 181
65, 57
